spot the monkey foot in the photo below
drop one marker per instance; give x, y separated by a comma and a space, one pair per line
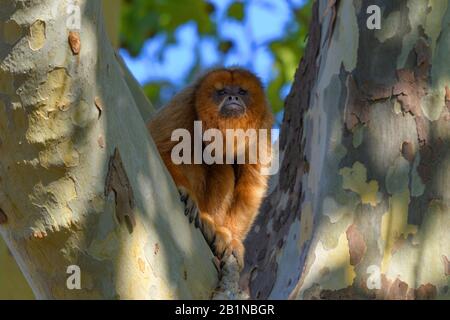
183, 195
225, 245
235, 248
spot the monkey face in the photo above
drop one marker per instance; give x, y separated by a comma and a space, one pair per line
230, 98
231, 101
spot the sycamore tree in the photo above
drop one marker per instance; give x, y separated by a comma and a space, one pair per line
360, 208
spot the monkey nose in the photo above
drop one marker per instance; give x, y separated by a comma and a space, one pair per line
231, 98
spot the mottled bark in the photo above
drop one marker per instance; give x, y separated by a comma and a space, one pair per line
81, 181
361, 208
12, 283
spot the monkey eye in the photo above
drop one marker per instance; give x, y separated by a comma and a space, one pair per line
221, 92
242, 92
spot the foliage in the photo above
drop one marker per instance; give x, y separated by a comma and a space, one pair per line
146, 19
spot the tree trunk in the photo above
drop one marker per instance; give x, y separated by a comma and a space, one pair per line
361, 207
81, 181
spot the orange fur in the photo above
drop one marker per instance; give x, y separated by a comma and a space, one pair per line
228, 196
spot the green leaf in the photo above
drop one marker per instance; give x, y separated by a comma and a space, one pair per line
225, 46
152, 90
236, 11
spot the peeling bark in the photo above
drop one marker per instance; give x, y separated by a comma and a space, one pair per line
117, 181
74, 42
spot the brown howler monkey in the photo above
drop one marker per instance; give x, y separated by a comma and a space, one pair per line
227, 196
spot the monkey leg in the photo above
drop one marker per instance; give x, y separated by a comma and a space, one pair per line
216, 236
208, 227
215, 204
213, 197
226, 244
222, 240
203, 221
248, 194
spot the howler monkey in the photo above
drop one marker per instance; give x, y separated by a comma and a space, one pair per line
227, 195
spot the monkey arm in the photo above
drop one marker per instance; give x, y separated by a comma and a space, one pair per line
248, 194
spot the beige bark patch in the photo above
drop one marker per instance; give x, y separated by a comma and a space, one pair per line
36, 38
11, 32
417, 259
141, 265
433, 104
355, 178
394, 224
331, 269
54, 199
56, 90
434, 241
61, 154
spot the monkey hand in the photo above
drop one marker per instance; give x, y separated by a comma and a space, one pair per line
202, 220
190, 207
219, 238
236, 248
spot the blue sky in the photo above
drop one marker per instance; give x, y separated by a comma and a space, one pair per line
265, 20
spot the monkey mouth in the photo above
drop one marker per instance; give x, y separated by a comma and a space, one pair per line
232, 109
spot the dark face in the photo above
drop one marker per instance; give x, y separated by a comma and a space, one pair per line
232, 100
